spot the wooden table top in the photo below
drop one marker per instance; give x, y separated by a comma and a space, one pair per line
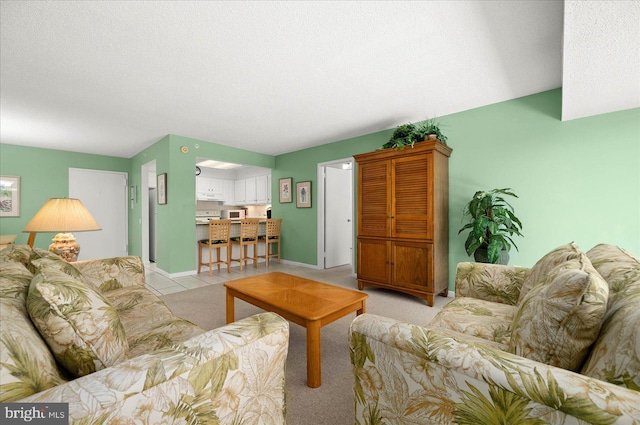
7, 239
305, 298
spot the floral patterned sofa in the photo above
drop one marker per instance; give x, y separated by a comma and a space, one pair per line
555, 344
90, 334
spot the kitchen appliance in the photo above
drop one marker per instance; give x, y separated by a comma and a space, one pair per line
234, 214
203, 217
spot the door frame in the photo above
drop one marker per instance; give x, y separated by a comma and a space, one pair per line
320, 196
144, 204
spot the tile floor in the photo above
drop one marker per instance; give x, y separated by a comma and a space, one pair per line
162, 285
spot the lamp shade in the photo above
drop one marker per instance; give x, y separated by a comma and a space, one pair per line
62, 215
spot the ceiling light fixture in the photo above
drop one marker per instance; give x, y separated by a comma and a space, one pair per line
209, 163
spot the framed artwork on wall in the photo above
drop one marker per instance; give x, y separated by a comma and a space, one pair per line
9, 196
285, 190
303, 194
162, 189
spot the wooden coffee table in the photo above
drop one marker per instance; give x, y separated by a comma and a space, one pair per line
302, 301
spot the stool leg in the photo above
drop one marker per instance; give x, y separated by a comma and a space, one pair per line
210, 260
255, 255
199, 256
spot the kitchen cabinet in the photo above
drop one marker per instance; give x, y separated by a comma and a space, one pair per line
269, 189
403, 232
240, 192
209, 188
250, 187
229, 191
262, 190
253, 190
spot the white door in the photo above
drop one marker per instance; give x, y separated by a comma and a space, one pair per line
338, 206
104, 193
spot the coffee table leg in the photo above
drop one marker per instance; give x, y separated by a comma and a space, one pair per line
314, 365
362, 309
230, 306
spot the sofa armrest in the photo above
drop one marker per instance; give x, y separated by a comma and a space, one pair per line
490, 282
233, 374
413, 374
113, 273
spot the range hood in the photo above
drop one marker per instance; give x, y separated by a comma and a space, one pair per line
209, 197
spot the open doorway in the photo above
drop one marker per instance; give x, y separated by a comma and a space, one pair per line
148, 182
335, 213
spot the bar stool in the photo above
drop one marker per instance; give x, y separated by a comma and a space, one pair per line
248, 236
272, 236
219, 237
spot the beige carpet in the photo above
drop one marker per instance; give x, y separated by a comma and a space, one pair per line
332, 403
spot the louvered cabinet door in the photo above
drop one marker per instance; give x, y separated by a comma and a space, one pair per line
412, 201
374, 199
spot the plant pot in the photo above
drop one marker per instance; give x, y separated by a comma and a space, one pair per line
432, 136
480, 255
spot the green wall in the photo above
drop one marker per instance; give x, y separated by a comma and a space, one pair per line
44, 174
175, 229
576, 181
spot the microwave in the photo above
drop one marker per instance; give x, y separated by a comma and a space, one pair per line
233, 214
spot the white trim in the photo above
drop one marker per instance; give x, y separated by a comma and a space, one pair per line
295, 263
143, 198
320, 201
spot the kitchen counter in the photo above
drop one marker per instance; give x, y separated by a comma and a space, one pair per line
202, 230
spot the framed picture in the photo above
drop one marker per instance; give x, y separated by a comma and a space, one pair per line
303, 194
9, 196
162, 189
285, 190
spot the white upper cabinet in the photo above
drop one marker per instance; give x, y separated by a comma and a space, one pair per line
212, 189
229, 191
240, 192
262, 190
250, 184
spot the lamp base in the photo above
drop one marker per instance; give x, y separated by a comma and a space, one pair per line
64, 245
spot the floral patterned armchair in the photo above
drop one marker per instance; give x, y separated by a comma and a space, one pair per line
555, 344
90, 334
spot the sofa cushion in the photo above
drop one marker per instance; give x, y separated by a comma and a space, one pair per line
621, 270
148, 322
14, 282
59, 264
80, 326
485, 319
543, 267
27, 366
560, 318
19, 253
113, 273
615, 356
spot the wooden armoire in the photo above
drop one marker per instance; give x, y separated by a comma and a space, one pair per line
403, 222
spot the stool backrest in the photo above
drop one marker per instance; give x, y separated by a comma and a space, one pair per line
219, 230
249, 228
273, 227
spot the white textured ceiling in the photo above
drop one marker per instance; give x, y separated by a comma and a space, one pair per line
114, 77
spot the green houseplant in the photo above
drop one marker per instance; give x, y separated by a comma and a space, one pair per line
430, 127
409, 134
492, 222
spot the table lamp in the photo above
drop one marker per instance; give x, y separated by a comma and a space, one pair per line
63, 215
